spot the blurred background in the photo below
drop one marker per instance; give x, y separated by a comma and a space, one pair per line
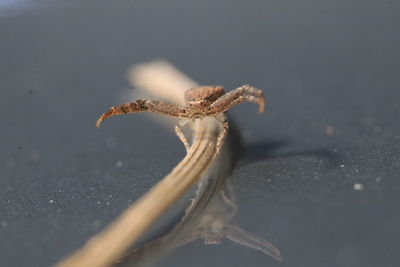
319, 175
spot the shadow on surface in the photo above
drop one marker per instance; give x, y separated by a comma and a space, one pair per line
262, 151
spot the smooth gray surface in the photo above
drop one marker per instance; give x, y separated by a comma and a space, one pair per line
320, 63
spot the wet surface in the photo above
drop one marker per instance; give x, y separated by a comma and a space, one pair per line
320, 172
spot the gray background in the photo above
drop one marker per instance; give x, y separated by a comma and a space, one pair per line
321, 64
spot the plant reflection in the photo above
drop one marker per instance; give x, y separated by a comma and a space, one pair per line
215, 224
209, 218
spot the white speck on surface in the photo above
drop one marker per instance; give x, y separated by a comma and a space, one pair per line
329, 130
33, 156
369, 120
107, 203
10, 163
96, 224
51, 201
358, 187
247, 134
342, 166
119, 163
98, 202
111, 142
